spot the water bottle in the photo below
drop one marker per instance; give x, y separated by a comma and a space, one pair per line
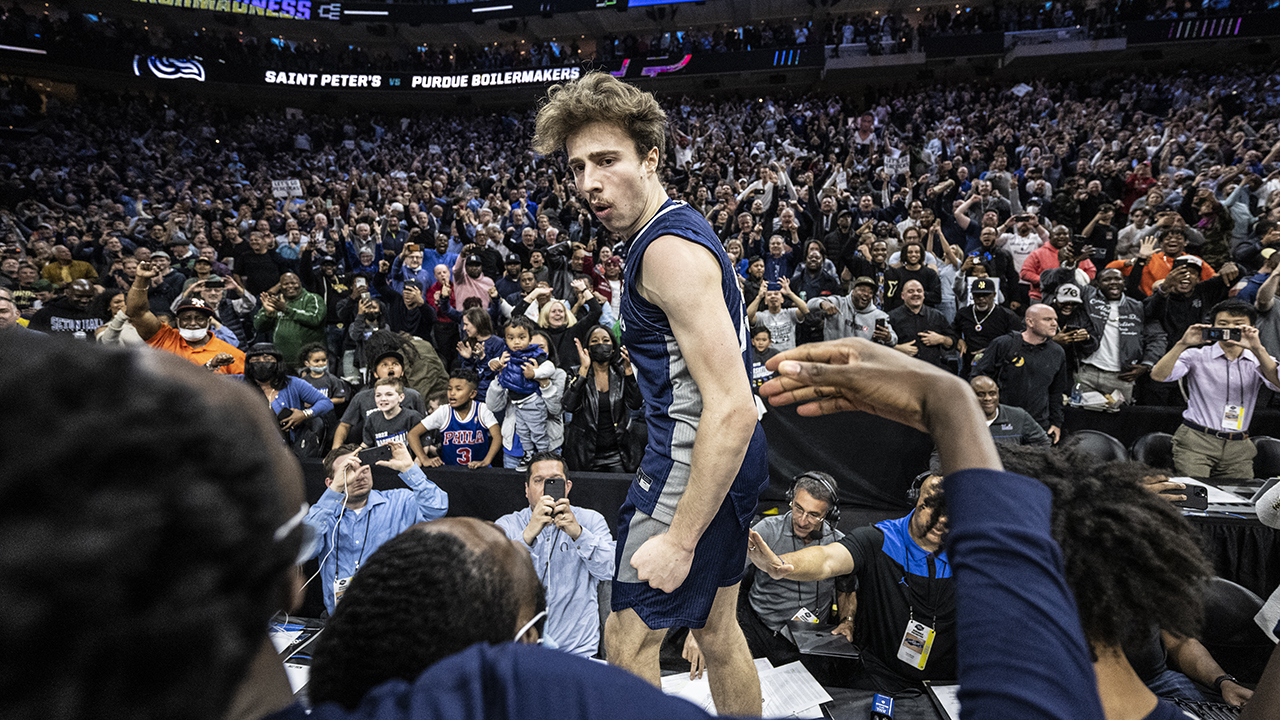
1077, 395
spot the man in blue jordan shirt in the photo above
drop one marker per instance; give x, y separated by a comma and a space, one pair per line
366, 518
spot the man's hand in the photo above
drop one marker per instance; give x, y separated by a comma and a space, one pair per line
662, 563
761, 556
565, 519
296, 417
908, 348
1134, 373
1230, 272
932, 338
1194, 335
881, 335
401, 459
1147, 247
1234, 693
1161, 485
220, 360
342, 474
543, 515
432, 462
146, 271
693, 653
845, 628
828, 308
1054, 433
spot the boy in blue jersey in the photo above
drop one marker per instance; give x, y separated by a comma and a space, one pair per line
469, 432
519, 370
683, 529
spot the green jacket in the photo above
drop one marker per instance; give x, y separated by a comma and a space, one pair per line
300, 323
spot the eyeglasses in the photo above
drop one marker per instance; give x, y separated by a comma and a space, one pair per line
310, 541
801, 512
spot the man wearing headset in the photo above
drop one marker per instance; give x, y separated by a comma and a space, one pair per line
813, 498
906, 597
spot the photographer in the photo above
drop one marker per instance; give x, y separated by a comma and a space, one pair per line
602, 397
1222, 389
571, 549
347, 539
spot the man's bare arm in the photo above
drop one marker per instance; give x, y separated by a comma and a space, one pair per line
683, 279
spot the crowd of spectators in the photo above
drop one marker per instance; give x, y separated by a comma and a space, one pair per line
443, 228
119, 40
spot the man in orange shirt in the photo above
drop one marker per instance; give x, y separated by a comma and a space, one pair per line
193, 339
1157, 264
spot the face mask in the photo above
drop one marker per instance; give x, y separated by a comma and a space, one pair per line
193, 334
261, 372
601, 353
317, 370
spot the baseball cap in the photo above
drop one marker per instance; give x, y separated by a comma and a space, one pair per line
42, 286
1068, 294
160, 253
474, 260
864, 280
328, 260
194, 303
985, 286
1188, 261
399, 356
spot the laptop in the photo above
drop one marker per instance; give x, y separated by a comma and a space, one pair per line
816, 639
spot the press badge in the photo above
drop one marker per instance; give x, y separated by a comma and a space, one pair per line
803, 615
1233, 418
917, 641
340, 586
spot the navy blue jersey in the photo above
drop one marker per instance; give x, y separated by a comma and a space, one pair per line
463, 439
673, 403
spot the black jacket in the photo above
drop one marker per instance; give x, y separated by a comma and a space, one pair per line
583, 400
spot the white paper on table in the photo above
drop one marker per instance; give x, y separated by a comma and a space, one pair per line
298, 675
1217, 496
282, 639
949, 698
789, 690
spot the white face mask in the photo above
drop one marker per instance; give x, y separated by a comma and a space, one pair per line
193, 334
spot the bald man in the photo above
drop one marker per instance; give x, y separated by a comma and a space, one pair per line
1009, 425
293, 316
69, 313
1030, 369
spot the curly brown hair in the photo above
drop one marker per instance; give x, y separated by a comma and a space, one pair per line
600, 97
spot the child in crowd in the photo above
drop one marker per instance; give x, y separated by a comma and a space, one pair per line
762, 350
469, 433
519, 369
314, 359
391, 423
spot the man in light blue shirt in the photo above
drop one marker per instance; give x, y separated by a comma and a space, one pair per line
572, 551
365, 518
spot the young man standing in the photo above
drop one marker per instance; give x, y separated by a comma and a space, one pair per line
1222, 390
683, 528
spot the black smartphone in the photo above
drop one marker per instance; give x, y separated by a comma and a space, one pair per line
371, 456
284, 415
881, 322
553, 487
1215, 334
1197, 497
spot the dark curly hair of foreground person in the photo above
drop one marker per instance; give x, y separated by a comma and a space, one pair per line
1132, 561
420, 598
137, 514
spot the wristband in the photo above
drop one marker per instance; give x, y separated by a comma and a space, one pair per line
1217, 683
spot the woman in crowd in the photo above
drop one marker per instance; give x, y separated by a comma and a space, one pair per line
601, 398
563, 326
478, 346
293, 401
117, 330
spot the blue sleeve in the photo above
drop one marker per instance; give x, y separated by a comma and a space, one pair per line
432, 501
222, 333
396, 277
1022, 652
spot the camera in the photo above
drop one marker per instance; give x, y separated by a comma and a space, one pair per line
1215, 334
